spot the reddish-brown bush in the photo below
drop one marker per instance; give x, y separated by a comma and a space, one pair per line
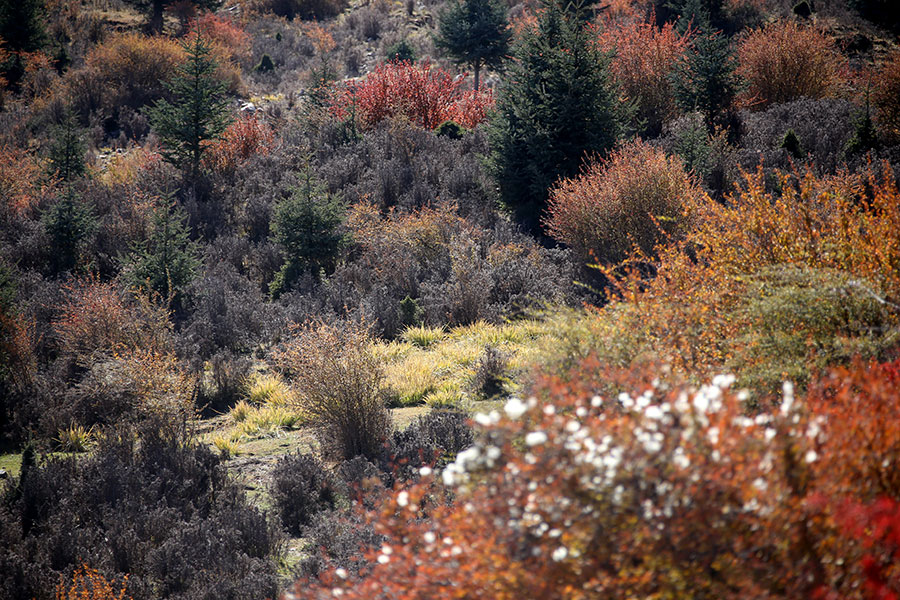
425, 95
244, 138
636, 198
886, 96
786, 61
101, 319
20, 177
643, 60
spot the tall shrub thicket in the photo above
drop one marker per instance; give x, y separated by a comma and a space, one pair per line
785, 61
635, 199
556, 108
643, 59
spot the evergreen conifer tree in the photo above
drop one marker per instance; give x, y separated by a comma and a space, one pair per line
22, 25
70, 223
168, 259
556, 108
198, 114
705, 79
307, 225
67, 151
475, 32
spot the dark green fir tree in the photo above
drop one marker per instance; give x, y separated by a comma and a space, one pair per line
198, 114
476, 33
22, 25
168, 259
67, 150
556, 108
308, 227
705, 79
70, 224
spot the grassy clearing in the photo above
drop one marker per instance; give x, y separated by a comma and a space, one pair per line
434, 366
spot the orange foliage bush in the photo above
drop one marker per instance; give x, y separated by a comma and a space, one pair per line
229, 45
635, 198
99, 318
126, 70
242, 139
785, 61
89, 584
424, 95
20, 175
644, 57
659, 491
886, 96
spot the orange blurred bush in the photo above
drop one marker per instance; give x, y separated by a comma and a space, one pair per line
658, 491
886, 96
242, 139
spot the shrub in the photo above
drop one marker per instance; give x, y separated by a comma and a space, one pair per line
886, 96
301, 489
302, 9
89, 584
802, 320
425, 95
658, 491
96, 318
431, 440
243, 139
340, 540
636, 198
20, 177
128, 70
147, 504
490, 372
338, 383
400, 51
643, 59
786, 61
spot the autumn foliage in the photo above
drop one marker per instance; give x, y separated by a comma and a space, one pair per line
425, 95
786, 61
659, 491
886, 96
244, 138
89, 584
644, 57
636, 198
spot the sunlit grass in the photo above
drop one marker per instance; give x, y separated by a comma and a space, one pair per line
436, 366
268, 389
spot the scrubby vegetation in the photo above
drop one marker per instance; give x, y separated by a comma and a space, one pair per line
286, 295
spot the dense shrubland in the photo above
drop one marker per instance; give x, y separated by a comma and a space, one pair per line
301, 225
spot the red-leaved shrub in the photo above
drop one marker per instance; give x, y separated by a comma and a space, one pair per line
643, 60
242, 139
425, 95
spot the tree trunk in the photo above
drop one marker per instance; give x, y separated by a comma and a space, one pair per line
477, 69
156, 16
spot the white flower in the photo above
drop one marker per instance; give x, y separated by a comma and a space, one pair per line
403, 499
425, 471
560, 554
596, 401
337, 592
341, 573
385, 549
483, 420
770, 434
515, 408
383, 559
429, 537
788, 402
653, 412
549, 410
811, 456
536, 438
